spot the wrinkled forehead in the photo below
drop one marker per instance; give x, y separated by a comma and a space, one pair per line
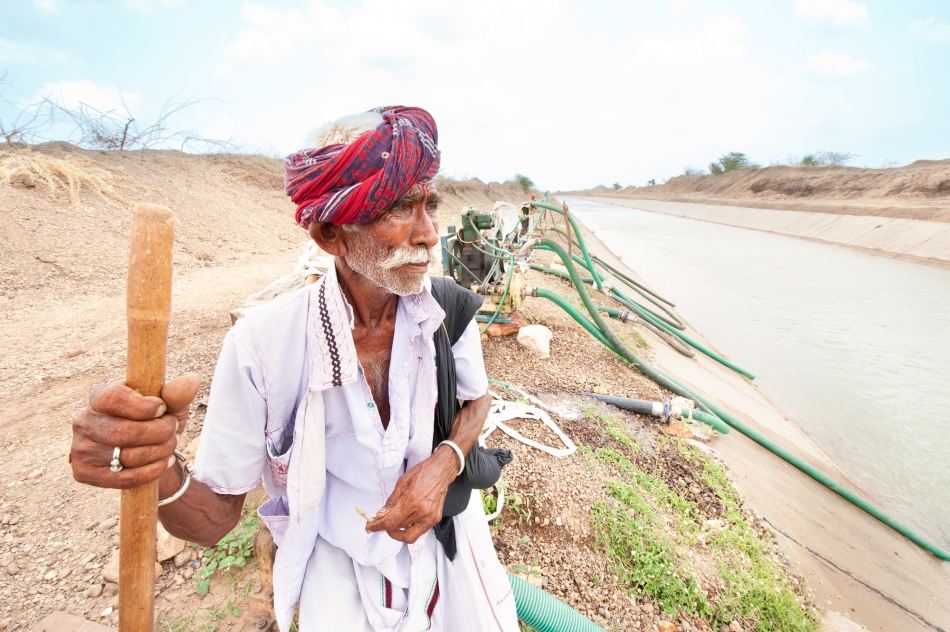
422, 191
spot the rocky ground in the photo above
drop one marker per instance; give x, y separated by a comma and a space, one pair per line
62, 332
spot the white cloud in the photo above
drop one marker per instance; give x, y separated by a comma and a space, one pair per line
224, 70
275, 36
833, 65
468, 68
929, 30
145, 6
14, 53
71, 93
47, 6
838, 12
834, 116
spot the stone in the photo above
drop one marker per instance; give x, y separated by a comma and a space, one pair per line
183, 558
106, 612
505, 329
537, 340
167, 546
647, 608
108, 523
50, 576
94, 591
66, 572
666, 626
110, 590
735, 627
62, 622
12, 569
110, 572
158, 570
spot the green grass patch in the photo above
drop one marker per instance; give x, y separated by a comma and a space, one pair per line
641, 527
234, 550
644, 557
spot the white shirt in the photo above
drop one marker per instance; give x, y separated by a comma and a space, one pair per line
299, 345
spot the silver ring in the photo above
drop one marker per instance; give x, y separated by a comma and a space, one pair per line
115, 466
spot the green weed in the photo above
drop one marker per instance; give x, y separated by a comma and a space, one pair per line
490, 500
520, 504
176, 624
234, 550
644, 557
641, 527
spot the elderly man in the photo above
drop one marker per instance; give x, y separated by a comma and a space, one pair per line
330, 396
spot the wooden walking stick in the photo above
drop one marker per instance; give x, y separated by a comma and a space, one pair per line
148, 304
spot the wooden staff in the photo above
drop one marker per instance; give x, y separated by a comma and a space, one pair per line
148, 302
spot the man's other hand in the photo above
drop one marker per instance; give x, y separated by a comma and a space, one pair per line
415, 505
146, 429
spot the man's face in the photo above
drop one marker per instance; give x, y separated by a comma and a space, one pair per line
394, 251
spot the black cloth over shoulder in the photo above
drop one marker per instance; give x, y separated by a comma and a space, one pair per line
482, 465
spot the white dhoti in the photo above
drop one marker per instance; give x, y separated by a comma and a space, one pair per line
340, 595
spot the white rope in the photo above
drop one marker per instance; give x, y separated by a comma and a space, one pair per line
502, 411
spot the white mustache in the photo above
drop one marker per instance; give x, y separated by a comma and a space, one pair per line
408, 256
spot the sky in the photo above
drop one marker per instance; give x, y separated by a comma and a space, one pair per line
572, 94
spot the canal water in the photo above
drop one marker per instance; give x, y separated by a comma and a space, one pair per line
854, 347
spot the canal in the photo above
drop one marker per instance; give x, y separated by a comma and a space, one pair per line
854, 347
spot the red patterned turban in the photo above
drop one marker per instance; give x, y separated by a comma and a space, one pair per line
351, 182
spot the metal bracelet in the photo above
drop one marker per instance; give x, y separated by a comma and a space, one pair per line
458, 451
189, 469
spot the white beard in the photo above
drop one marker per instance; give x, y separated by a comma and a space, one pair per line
369, 258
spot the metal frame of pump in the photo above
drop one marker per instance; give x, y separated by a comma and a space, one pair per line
476, 256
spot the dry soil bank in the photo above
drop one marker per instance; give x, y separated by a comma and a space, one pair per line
902, 211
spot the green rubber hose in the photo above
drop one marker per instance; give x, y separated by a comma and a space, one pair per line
615, 344
558, 273
545, 612
574, 313
710, 420
659, 323
577, 231
824, 479
676, 322
620, 275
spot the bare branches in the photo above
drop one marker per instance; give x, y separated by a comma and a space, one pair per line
22, 124
113, 130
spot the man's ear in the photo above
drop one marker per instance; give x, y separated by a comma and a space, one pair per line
331, 238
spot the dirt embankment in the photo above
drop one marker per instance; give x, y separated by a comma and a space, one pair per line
63, 331
920, 190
